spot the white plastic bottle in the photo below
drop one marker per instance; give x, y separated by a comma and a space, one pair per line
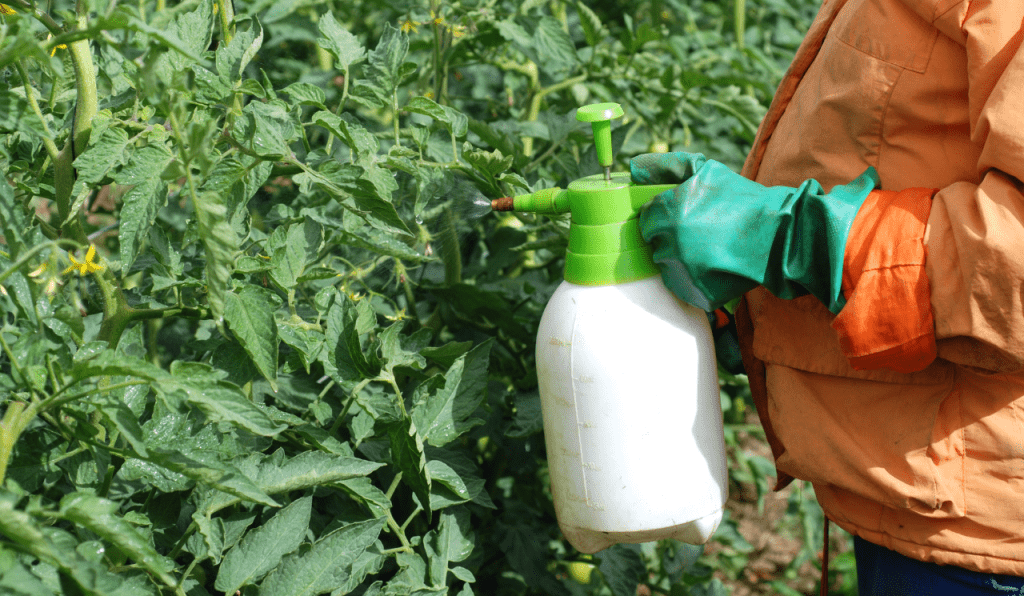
627, 374
634, 441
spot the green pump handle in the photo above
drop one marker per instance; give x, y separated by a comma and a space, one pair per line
605, 245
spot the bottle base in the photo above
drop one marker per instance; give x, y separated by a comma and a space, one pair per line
698, 531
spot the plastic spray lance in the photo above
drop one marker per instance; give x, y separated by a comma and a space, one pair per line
627, 373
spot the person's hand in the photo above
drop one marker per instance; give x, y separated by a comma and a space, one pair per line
718, 235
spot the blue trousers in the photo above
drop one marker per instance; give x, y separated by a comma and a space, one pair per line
882, 572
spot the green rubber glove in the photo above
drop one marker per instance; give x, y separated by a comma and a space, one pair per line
718, 235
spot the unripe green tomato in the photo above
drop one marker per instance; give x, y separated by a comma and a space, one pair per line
581, 571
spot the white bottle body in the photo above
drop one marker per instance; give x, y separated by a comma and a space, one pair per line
632, 417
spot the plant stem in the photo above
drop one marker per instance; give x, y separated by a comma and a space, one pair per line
394, 485
535, 101
227, 16
54, 400
51, 147
348, 404
341, 106
394, 115
450, 251
411, 517
739, 16
406, 545
16, 419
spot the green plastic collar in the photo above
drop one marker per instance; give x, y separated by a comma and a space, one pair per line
605, 245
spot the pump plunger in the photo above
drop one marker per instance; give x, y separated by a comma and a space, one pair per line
600, 115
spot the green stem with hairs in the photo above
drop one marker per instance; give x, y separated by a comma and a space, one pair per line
226, 9
450, 251
739, 21
51, 147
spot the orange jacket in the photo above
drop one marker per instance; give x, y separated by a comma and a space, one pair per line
906, 411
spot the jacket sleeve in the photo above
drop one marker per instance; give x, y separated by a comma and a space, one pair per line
943, 274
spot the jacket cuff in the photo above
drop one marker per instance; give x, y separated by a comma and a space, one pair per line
887, 321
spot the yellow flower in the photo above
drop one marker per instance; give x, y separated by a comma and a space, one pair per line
409, 25
436, 18
458, 31
4, 9
56, 47
86, 266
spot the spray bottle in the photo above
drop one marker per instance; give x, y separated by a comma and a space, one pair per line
627, 373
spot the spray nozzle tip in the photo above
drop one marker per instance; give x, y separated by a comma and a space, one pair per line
502, 204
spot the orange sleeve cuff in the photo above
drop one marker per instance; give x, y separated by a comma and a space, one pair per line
887, 320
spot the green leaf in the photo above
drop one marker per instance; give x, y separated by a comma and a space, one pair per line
339, 42
266, 129
57, 548
16, 580
192, 32
394, 354
262, 548
115, 412
410, 459
345, 127
123, 19
555, 47
593, 29
365, 191
488, 163
521, 537
455, 479
219, 400
346, 358
527, 419
455, 121
231, 59
249, 313
16, 115
362, 489
327, 565
147, 196
622, 568
105, 153
451, 542
206, 469
305, 94
208, 541
221, 245
306, 470
388, 58
371, 239
444, 413
312, 468
100, 516
210, 87
301, 248
514, 32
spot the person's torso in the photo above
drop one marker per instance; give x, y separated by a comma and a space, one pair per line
926, 463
